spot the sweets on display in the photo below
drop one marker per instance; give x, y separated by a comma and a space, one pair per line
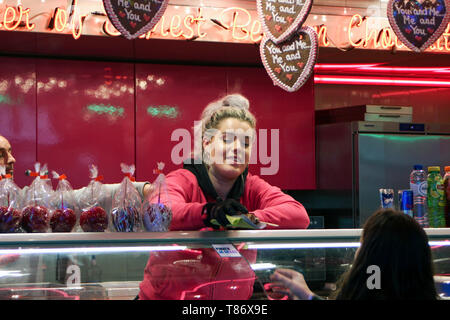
157, 212
93, 217
280, 19
63, 217
10, 214
35, 215
126, 205
418, 24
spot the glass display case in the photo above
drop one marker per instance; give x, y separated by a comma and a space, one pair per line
191, 265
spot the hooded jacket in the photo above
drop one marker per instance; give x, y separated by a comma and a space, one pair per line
202, 273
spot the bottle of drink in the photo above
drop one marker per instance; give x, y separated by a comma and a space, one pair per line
435, 199
418, 184
447, 195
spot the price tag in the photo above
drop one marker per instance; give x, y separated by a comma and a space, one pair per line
226, 250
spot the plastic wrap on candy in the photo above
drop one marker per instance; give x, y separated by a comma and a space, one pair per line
93, 217
35, 214
156, 211
64, 213
127, 204
10, 213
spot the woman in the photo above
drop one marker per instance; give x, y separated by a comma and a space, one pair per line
390, 240
202, 194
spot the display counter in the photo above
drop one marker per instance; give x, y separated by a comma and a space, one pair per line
111, 265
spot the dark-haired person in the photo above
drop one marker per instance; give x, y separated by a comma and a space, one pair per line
390, 240
217, 186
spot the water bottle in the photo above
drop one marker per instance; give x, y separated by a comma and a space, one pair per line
435, 199
418, 184
447, 195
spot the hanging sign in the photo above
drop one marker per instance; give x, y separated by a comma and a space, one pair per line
281, 18
418, 23
290, 63
133, 18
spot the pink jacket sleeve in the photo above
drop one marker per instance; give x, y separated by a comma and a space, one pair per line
274, 206
186, 204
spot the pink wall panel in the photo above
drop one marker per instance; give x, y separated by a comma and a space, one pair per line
18, 112
292, 114
170, 97
85, 116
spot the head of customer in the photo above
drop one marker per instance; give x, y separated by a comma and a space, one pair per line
228, 130
6, 157
398, 245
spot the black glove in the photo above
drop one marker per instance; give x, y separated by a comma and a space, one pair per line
219, 210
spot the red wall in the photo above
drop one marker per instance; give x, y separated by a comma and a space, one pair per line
48, 119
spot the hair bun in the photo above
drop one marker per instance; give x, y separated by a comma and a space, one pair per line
236, 101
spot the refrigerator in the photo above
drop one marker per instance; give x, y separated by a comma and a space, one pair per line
361, 157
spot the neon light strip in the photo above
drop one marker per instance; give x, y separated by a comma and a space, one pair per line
304, 245
343, 66
380, 81
324, 245
90, 250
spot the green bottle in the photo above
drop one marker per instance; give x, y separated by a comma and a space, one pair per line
435, 199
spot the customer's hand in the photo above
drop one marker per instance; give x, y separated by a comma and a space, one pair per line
291, 283
219, 210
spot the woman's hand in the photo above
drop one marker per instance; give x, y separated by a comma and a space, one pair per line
220, 210
291, 283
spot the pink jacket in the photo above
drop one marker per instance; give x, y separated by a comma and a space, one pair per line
202, 274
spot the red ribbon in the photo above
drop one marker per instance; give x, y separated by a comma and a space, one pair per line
157, 171
34, 174
44, 177
7, 176
130, 176
99, 178
62, 177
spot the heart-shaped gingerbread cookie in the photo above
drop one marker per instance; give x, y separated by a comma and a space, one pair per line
418, 24
133, 18
290, 63
281, 18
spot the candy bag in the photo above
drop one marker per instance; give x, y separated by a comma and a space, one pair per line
127, 204
35, 214
93, 217
10, 214
156, 211
63, 216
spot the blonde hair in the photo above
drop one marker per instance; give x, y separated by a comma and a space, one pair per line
233, 106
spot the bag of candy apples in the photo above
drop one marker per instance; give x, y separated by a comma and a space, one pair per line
156, 210
93, 217
126, 204
37, 204
10, 213
64, 211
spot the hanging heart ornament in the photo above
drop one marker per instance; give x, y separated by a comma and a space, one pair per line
418, 23
133, 18
281, 18
290, 63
